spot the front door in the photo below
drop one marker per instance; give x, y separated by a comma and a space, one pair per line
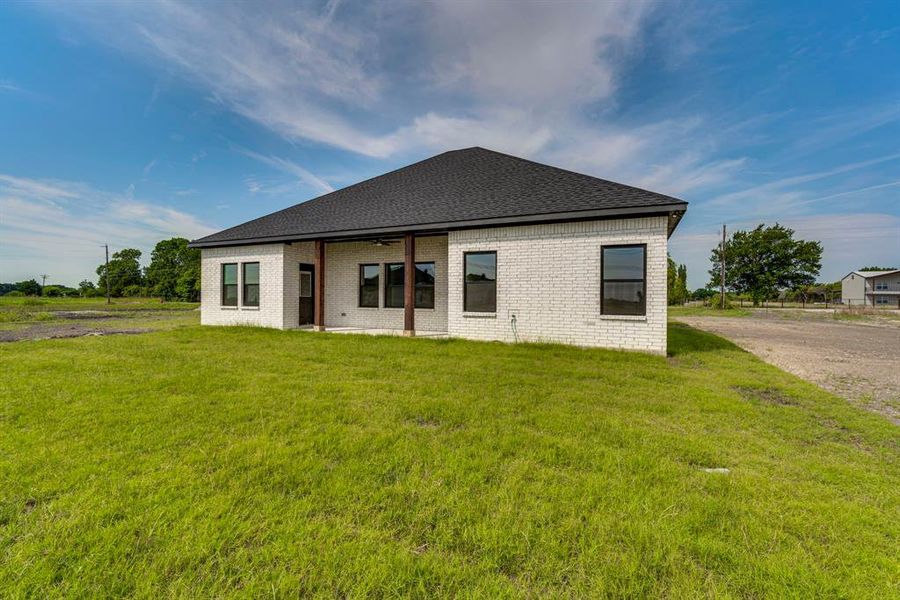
307, 285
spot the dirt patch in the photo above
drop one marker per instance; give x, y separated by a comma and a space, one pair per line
47, 332
78, 315
856, 361
772, 396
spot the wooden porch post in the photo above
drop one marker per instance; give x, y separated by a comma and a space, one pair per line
409, 285
319, 306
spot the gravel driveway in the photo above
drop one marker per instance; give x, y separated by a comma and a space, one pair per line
858, 361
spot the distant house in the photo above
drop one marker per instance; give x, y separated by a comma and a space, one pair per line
871, 288
470, 243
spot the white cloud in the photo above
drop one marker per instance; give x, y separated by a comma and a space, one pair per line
58, 227
286, 166
533, 54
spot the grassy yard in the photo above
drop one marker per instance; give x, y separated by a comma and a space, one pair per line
705, 311
199, 462
45, 315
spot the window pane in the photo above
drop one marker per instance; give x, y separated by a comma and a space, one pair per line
623, 263
481, 266
368, 296
394, 298
425, 297
229, 274
394, 274
369, 274
424, 273
481, 296
480, 282
229, 294
624, 298
251, 295
305, 284
251, 273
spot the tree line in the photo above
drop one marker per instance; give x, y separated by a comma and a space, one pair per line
173, 274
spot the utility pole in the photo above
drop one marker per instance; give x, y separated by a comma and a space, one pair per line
722, 268
106, 246
43, 283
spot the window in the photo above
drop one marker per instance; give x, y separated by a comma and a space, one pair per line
623, 287
480, 283
425, 285
251, 284
305, 284
368, 285
881, 287
394, 285
229, 284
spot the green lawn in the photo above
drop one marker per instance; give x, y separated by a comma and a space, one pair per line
209, 462
21, 313
705, 311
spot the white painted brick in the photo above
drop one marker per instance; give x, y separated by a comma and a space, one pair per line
549, 275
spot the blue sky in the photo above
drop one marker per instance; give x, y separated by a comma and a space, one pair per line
125, 123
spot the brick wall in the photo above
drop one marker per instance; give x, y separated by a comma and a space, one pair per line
270, 312
548, 276
342, 260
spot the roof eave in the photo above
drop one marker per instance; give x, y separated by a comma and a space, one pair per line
674, 210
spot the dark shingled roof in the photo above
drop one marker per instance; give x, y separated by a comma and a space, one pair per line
454, 190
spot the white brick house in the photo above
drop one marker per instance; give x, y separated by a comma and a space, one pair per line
470, 243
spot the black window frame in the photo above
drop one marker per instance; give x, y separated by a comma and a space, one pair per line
420, 286
244, 284
603, 280
466, 283
362, 285
388, 285
225, 286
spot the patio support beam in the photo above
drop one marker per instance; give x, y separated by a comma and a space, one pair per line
319, 300
409, 284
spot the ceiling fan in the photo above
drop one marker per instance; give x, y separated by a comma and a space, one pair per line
380, 242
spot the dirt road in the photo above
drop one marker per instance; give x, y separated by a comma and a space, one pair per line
858, 361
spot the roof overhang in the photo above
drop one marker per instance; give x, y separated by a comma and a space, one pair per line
673, 211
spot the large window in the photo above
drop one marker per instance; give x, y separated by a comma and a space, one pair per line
229, 284
624, 286
480, 293
368, 285
250, 296
394, 285
425, 285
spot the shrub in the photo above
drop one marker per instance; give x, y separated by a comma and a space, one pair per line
716, 302
14, 294
33, 302
131, 291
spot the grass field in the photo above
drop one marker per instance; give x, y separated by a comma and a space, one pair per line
41, 315
705, 311
199, 462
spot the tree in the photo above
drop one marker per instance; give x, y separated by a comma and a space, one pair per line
29, 287
174, 271
676, 282
878, 269
87, 288
124, 270
765, 260
703, 294
6, 288
681, 289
